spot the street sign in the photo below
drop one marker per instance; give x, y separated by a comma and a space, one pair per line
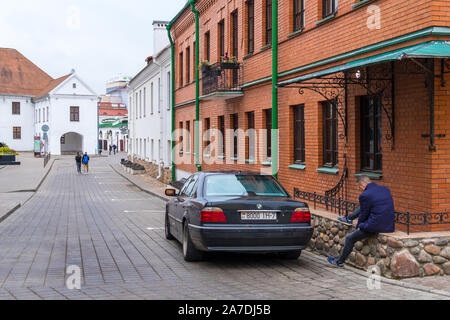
45, 128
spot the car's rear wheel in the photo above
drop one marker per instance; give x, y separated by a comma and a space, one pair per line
190, 253
291, 255
169, 236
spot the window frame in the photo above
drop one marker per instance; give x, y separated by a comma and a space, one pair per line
268, 126
377, 117
268, 22
331, 6
250, 26
221, 38
235, 126
299, 139
330, 125
74, 114
298, 14
15, 108
17, 133
208, 46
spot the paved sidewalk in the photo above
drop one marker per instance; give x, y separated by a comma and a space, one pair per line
20, 182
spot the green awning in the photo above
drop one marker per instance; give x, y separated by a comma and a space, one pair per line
432, 49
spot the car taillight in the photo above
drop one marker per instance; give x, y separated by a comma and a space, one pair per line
212, 215
301, 215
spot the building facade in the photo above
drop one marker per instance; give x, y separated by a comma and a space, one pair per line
113, 115
30, 99
150, 109
332, 89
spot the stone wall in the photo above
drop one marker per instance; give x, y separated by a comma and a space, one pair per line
395, 257
151, 169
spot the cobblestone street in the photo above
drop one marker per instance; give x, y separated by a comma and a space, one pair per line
114, 232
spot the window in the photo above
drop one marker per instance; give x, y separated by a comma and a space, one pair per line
188, 65
194, 57
188, 142
299, 134
330, 131
136, 104
169, 91
268, 116
159, 95
207, 135
39, 115
181, 69
74, 114
151, 99
251, 136
181, 137
140, 103
221, 30
329, 7
16, 108
250, 26
47, 114
299, 14
235, 38
17, 133
268, 22
235, 126
371, 133
207, 46
243, 185
221, 122
74, 85
145, 102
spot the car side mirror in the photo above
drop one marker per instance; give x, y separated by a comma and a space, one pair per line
171, 192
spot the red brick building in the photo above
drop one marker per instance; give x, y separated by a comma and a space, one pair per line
363, 87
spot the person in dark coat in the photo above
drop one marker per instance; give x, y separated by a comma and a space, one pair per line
376, 215
78, 162
110, 149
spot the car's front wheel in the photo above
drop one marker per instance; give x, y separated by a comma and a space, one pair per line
291, 255
169, 236
190, 253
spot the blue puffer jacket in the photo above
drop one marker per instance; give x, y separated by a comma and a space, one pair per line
377, 210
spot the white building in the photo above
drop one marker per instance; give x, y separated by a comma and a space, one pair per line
30, 99
150, 106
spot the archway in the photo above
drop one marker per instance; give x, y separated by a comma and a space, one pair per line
71, 143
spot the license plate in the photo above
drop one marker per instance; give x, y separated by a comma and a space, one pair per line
260, 215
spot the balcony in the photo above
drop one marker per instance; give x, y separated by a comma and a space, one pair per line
222, 81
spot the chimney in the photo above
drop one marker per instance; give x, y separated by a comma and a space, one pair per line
160, 37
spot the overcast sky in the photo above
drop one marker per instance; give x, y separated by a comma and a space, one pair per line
106, 38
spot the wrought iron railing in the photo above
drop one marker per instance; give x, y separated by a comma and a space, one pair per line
222, 77
412, 221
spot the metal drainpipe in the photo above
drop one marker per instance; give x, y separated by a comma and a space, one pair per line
274, 88
172, 91
197, 87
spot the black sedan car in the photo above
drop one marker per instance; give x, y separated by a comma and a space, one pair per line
236, 212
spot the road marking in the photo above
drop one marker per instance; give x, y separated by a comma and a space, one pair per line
155, 228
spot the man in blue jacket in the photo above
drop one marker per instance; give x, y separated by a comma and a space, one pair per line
376, 216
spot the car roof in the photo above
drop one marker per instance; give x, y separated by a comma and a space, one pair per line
236, 172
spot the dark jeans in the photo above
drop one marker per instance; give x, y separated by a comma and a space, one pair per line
350, 241
79, 166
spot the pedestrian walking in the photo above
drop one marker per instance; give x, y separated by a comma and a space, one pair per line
86, 162
376, 215
115, 148
78, 162
110, 149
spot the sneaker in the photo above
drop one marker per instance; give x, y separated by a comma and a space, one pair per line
336, 262
345, 221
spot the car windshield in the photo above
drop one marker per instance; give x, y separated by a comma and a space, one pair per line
243, 185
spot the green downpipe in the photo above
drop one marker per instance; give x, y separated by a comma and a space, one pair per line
274, 88
172, 92
197, 88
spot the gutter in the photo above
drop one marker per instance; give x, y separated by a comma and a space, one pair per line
197, 87
274, 88
172, 92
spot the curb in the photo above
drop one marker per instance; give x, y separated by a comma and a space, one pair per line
397, 283
10, 212
139, 187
